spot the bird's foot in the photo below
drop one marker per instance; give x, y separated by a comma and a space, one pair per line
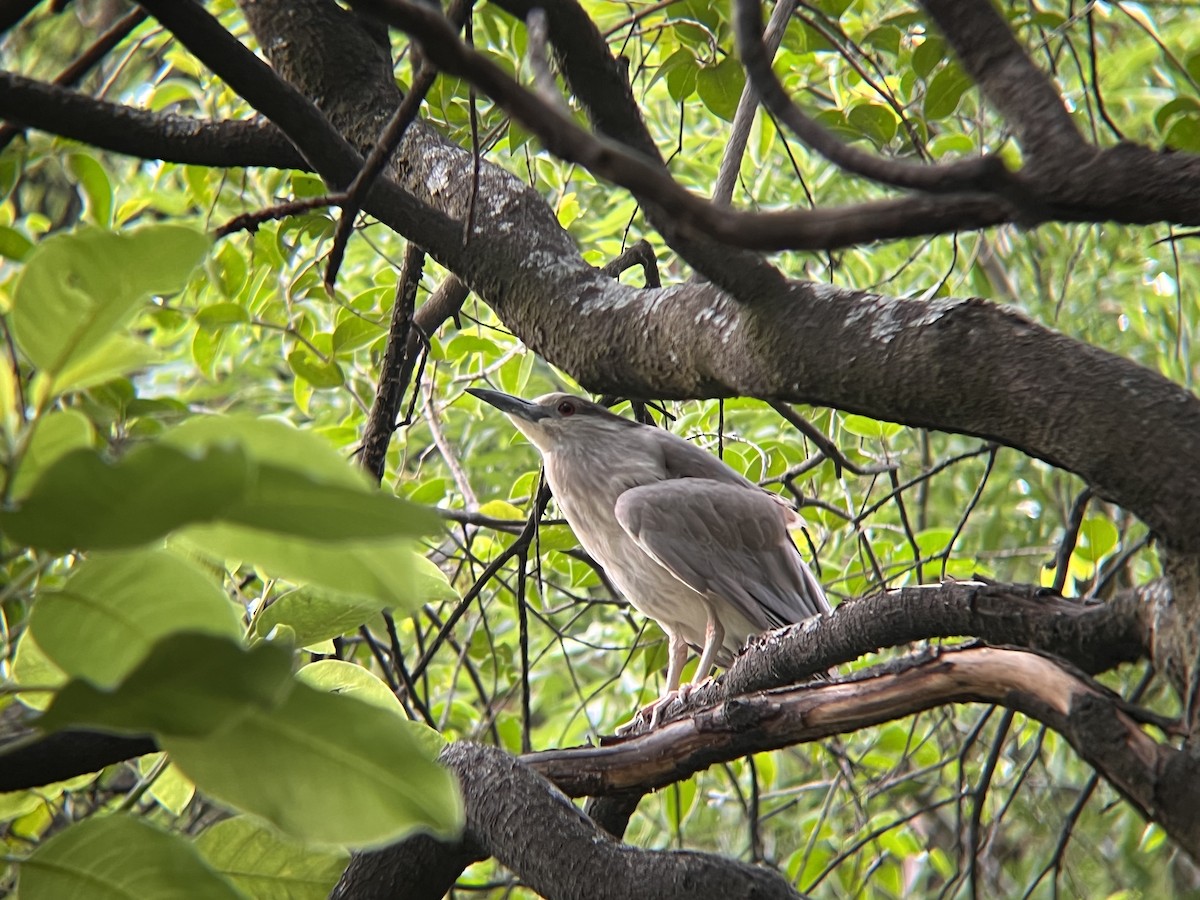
656, 709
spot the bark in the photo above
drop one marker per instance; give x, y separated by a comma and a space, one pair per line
525, 823
518, 817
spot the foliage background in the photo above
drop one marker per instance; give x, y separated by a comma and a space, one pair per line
883, 812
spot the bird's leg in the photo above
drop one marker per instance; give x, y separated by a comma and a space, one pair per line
714, 637
677, 656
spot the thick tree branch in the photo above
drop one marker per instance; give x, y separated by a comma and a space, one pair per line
86, 61
508, 810
141, 133
1162, 782
601, 83
518, 817
1094, 637
1075, 181
687, 215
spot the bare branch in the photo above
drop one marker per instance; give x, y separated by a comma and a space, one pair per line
518, 817
985, 174
144, 134
1161, 782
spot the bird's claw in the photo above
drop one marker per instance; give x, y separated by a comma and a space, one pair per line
656, 708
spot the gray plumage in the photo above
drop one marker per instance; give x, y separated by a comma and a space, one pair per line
692, 544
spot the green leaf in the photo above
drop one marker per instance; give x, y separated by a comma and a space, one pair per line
120, 858
116, 356
355, 332
32, 667
376, 569
84, 502
462, 345
285, 501
218, 315
366, 779
430, 582
58, 433
875, 121
1098, 537
928, 54
269, 442
1184, 134
336, 676
945, 91
189, 686
96, 187
1178, 106
720, 87
870, 428
266, 866
318, 372
315, 617
79, 288
170, 788
13, 244
115, 607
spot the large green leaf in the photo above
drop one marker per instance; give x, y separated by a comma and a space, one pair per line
271, 442
79, 288
317, 616
376, 569
83, 501
266, 866
58, 433
114, 607
189, 685
340, 771
286, 501
120, 858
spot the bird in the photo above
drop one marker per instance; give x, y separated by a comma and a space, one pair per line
689, 542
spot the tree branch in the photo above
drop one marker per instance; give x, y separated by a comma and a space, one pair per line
985, 174
141, 133
518, 817
1161, 782
1011, 82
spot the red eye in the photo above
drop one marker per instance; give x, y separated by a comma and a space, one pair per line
566, 408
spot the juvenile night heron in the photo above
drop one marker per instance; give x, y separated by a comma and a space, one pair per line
689, 542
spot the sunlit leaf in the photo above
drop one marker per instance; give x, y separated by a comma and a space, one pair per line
119, 857
145, 494
114, 608
78, 288
189, 685
267, 867
366, 778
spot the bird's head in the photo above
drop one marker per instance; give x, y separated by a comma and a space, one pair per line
558, 421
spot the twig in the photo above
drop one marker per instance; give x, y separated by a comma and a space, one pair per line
1070, 537
640, 253
84, 63
824, 444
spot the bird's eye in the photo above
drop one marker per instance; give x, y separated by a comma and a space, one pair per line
566, 408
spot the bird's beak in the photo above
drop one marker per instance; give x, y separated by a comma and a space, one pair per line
510, 405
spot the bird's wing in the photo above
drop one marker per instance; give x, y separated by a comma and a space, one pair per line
727, 542
683, 459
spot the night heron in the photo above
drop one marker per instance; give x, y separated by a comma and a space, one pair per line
692, 544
